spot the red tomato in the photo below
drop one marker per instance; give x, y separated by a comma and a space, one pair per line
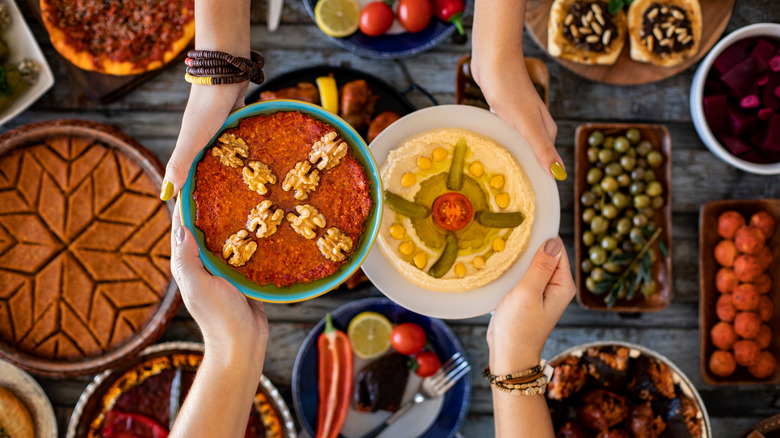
452, 211
376, 18
415, 15
427, 363
407, 338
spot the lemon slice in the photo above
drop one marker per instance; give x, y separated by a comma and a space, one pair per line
329, 93
337, 18
369, 333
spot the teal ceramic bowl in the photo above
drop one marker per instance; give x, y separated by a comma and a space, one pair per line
298, 292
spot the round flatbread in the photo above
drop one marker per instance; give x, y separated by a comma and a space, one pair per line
15, 419
119, 38
664, 32
584, 31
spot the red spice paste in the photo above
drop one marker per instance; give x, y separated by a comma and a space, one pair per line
224, 201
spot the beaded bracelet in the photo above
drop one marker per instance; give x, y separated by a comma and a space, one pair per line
518, 375
532, 381
210, 67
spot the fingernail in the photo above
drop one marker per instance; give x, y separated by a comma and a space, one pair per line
553, 246
558, 171
179, 235
166, 192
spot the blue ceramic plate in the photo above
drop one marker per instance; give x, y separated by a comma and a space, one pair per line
393, 46
455, 405
298, 292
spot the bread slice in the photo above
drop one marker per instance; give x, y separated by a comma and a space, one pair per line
563, 25
682, 16
15, 419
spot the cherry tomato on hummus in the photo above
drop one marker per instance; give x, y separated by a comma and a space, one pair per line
452, 211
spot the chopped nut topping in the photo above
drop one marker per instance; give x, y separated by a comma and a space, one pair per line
334, 245
239, 248
257, 175
307, 220
329, 151
229, 149
301, 181
262, 218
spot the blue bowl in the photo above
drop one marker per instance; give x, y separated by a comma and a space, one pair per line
297, 292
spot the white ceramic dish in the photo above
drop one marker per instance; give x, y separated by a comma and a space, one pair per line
697, 98
31, 394
22, 44
475, 302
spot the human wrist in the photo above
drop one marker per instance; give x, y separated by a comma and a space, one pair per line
243, 357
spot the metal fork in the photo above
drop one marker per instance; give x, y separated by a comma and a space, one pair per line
432, 387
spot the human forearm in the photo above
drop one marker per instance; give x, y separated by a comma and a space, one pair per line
497, 33
222, 25
523, 416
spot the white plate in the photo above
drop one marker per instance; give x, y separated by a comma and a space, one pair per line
31, 394
22, 44
482, 300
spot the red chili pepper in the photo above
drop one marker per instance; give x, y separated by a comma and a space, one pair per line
335, 380
450, 11
126, 425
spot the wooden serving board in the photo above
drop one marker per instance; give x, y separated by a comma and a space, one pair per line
100, 87
715, 16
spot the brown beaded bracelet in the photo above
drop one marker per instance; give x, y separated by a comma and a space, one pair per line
211, 67
538, 369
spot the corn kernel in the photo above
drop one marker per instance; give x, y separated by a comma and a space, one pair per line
498, 244
502, 199
478, 262
397, 231
424, 163
476, 168
497, 181
460, 269
420, 260
439, 154
406, 248
408, 180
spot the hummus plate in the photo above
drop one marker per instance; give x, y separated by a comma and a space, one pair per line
485, 297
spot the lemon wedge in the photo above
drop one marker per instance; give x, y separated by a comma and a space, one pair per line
329, 93
337, 18
369, 333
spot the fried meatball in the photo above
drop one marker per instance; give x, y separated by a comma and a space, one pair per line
725, 280
764, 222
764, 337
746, 324
745, 297
763, 283
765, 308
749, 240
725, 308
728, 224
726, 253
764, 367
746, 352
722, 363
747, 268
602, 410
723, 336
644, 423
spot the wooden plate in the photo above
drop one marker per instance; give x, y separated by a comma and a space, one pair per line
708, 295
715, 16
662, 271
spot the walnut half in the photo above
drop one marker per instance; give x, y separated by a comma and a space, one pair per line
230, 149
301, 181
239, 248
329, 151
334, 245
257, 175
307, 220
262, 218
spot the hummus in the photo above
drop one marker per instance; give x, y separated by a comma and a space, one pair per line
417, 171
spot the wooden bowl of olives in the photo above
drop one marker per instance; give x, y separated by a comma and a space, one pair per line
623, 217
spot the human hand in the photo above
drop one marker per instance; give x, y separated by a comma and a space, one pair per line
527, 314
207, 108
234, 327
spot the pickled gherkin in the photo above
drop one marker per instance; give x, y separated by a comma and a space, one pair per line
500, 220
446, 259
404, 207
455, 176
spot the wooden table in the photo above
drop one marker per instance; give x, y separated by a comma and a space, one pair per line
152, 114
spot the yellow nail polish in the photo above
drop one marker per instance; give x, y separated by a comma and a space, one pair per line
558, 171
166, 192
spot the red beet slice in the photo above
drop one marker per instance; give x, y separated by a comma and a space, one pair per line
768, 97
730, 57
742, 79
715, 110
774, 63
715, 86
742, 122
764, 50
735, 145
772, 139
765, 113
754, 157
763, 80
750, 101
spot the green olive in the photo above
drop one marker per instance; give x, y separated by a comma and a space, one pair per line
629, 213
586, 266
644, 147
599, 225
588, 215
620, 200
588, 198
609, 143
641, 163
612, 267
638, 174
609, 184
590, 284
613, 169
636, 188
610, 211
649, 176
631, 153
649, 287
597, 255
633, 135
649, 212
593, 155
639, 220
623, 226
628, 163
623, 180
609, 243
598, 274
588, 238
605, 156
594, 175
597, 190
596, 138
636, 235
654, 189
622, 145
641, 201
654, 159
